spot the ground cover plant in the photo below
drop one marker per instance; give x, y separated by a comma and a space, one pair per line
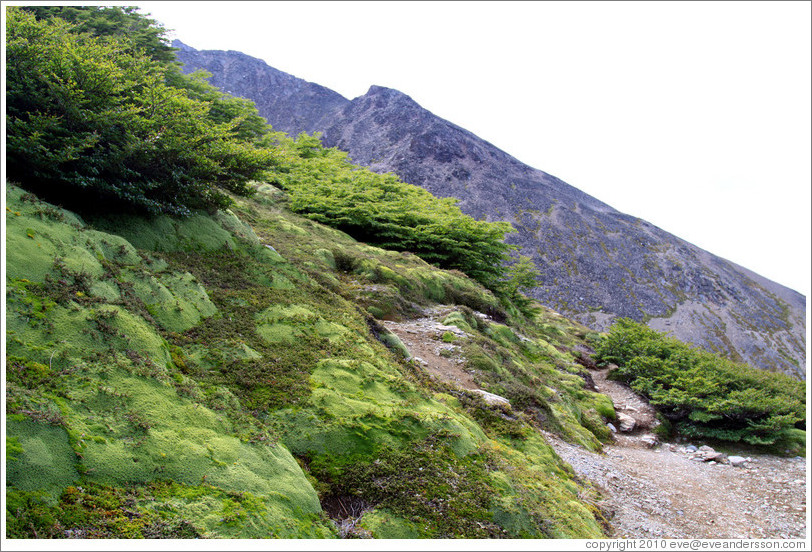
180, 378
224, 373
703, 394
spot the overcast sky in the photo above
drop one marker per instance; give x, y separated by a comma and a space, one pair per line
694, 116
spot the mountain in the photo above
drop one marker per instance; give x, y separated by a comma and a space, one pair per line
299, 105
596, 263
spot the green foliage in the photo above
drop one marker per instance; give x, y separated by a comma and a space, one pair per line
92, 122
381, 209
702, 394
240, 114
521, 276
158, 378
122, 22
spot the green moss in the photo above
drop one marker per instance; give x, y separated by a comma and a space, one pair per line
195, 233
458, 319
176, 301
326, 257
44, 460
182, 378
394, 343
383, 524
502, 334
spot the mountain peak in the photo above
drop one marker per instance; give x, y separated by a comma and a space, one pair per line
182, 46
290, 104
384, 96
376, 90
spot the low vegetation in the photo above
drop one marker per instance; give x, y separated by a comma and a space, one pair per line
703, 394
176, 369
179, 378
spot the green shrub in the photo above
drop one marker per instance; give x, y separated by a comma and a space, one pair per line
93, 123
381, 209
702, 394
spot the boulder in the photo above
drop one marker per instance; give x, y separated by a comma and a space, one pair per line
612, 427
491, 398
737, 461
626, 422
649, 440
718, 457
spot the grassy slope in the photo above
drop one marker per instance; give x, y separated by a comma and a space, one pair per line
175, 379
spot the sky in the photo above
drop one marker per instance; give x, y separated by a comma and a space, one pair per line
695, 116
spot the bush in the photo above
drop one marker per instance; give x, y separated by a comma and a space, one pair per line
93, 123
702, 394
382, 210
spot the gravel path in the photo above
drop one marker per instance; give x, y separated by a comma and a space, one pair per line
667, 491
659, 491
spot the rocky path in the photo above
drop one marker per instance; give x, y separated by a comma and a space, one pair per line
668, 490
423, 338
651, 489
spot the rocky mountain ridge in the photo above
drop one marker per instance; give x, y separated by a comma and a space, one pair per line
595, 262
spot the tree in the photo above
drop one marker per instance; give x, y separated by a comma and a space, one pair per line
522, 276
383, 210
123, 23
91, 122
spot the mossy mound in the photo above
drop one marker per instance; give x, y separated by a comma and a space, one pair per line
96, 397
224, 376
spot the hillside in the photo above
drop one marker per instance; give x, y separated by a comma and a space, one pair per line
596, 263
214, 330
221, 376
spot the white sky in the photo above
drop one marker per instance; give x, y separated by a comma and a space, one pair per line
694, 116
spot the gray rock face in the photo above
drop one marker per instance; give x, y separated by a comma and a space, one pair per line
289, 104
596, 263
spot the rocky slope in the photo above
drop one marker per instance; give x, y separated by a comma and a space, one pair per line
595, 262
298, 105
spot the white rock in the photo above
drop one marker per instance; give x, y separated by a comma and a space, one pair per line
650, 441
737, 461
626, 422
612, 427
490, 398
714, 456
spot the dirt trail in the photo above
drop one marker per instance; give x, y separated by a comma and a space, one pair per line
666, 491
424, 339
652, 490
